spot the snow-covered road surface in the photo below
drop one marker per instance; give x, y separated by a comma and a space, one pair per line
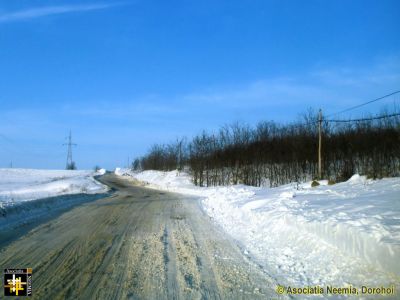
137, 244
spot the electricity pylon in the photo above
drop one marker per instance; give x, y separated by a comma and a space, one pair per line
70, 163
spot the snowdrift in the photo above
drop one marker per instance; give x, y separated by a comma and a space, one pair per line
348, 233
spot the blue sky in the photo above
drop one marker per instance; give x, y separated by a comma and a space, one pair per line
123, 75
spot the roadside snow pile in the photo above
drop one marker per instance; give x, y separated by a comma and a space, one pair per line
27, 195
348, 233
100, 172
171, 181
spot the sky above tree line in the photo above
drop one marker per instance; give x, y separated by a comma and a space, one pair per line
124, 75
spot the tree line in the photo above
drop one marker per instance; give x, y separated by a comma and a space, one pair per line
273, 154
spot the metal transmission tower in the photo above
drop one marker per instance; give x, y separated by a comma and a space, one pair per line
70, 163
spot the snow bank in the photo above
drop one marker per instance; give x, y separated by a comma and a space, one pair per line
348, 233
27, 195
101, 172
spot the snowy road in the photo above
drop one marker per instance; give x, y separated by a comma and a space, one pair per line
137, 244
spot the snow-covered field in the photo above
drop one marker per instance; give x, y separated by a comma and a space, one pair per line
26, 193
19, 185
342, 234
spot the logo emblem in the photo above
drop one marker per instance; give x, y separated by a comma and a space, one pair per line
18, 282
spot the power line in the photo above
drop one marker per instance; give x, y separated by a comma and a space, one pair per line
6, 138
363, 104
344, 121
294, 126
364, 119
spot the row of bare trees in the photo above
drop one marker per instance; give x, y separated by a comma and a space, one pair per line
274, 154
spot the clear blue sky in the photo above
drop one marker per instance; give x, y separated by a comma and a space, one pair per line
123, 75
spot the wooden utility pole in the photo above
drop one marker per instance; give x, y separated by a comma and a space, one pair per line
180, 155
319, 144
